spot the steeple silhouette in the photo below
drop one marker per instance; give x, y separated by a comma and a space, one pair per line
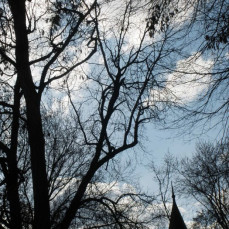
176, 220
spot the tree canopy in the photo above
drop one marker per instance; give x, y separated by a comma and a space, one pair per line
79, 80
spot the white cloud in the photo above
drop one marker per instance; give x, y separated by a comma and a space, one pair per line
128, 17
190, 78
185, 11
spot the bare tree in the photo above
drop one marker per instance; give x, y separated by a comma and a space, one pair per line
205, 178
105, 203
44, 44
202, 178
21, 29
204, 64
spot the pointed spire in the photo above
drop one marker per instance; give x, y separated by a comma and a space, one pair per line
173, 195
176, 220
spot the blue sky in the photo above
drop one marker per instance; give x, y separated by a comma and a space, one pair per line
161, 142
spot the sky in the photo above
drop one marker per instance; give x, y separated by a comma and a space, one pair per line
157, 143
161, 142
157, 146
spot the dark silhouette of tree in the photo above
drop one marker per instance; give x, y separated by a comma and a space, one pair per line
45, 46
214, 15
18, 57
205, 178
206, 32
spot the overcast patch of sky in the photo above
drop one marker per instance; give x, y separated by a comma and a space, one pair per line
190, 78
185, 91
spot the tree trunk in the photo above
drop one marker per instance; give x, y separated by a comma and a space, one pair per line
12, 176
34, 123
37, 146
